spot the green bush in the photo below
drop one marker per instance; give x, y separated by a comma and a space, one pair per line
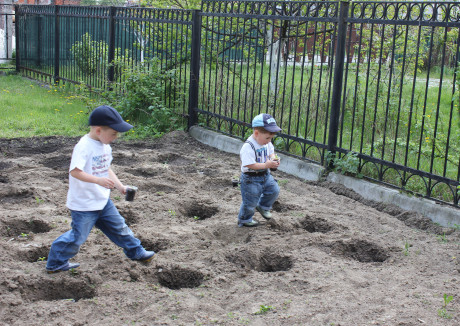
348, 164
141, 98
89, 54
92, 56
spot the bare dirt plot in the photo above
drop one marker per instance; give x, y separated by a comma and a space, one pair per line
328, 257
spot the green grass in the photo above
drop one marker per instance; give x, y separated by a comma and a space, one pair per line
28, 109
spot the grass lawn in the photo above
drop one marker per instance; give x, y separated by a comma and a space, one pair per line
28, 109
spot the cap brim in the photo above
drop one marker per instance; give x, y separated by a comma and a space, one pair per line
272, 128
121, 127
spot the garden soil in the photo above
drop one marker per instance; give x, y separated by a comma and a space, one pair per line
327, 257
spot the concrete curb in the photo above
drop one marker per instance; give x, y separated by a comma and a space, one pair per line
444, 215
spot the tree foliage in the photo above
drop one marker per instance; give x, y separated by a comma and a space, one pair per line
116, 3
176, 4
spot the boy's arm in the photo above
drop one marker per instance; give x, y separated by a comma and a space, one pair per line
86, 177
269, 164
247, 155
117, 182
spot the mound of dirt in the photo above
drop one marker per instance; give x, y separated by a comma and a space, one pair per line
328, 257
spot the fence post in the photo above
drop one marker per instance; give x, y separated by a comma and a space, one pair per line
111, 54
16, 33
56, 44
338, 78
39, 42
194, 69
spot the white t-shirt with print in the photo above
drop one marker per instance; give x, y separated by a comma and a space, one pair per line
92, 157
261, 154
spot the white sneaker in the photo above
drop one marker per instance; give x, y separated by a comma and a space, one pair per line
265, 214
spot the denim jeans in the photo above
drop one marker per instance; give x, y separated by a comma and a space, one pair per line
108, 220
256, 191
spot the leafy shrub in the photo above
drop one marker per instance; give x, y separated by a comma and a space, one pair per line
92, 56
141, 97
348, 164
89, 54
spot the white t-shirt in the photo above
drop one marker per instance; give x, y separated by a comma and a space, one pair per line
249, 156
92, 157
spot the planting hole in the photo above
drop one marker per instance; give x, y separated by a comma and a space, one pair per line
167, 158
178, 278
200, 211
124, 160
41, 145
283, 207
360, 250
13, 195
5, 165
16, 227
271, 262
154, 245
263, 262
34, 254
313, 225
179, 161
58, 289
57, 163
129, 215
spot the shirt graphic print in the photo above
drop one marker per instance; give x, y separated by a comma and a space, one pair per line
261, 154
100, 165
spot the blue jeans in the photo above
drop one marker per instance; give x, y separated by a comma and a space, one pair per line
108, 220
256, 191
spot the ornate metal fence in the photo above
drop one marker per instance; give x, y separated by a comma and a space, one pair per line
400, 105
94, 45
369, 87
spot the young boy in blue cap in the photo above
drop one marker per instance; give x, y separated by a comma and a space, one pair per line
258, 188
88, 198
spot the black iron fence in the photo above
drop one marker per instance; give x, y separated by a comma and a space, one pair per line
96, 45
367, 87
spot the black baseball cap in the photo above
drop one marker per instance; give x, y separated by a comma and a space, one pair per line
107, 116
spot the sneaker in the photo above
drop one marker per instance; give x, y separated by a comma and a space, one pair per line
63, 269
249, 224
147, 256
265, 214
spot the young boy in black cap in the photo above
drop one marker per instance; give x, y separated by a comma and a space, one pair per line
88, 198
258, 188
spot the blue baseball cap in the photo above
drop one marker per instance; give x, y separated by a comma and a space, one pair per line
265, 121
107, 116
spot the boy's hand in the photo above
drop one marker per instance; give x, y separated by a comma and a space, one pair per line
105, 182
272, 164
